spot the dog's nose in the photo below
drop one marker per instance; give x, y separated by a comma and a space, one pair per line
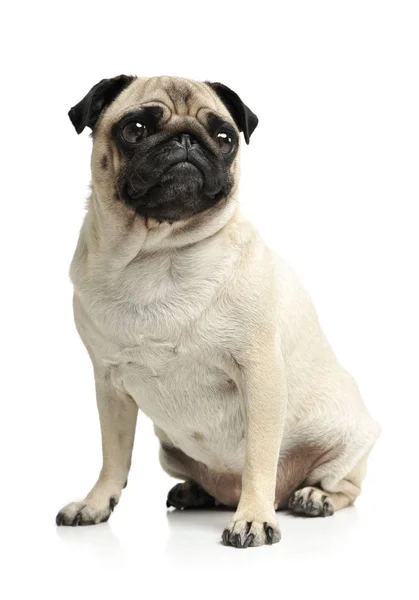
185, 140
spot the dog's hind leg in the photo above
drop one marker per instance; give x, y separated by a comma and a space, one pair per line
325, 491
189, 494
202, 487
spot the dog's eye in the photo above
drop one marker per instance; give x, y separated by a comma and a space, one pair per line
134, 131
225, 141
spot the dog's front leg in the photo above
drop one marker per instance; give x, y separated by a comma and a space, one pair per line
118, 418
264, 392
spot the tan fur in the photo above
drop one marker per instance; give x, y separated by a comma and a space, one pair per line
212, 336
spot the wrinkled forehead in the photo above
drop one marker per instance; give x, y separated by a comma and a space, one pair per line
175, 96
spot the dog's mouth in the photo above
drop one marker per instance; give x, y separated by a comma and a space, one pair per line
183, 164
182, 168
185, 167
173, 183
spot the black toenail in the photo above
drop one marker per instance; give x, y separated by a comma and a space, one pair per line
248, 540
269, 532
226, 537
77, 520
326, 511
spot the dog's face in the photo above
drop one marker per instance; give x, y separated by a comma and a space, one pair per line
166, 147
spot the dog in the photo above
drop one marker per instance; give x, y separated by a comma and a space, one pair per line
187, 315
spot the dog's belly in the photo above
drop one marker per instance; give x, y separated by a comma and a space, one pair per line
194, 403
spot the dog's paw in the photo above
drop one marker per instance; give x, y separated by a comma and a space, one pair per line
242, 534
312, 502
189, 495
86, 512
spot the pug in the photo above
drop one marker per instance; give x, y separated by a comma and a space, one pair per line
188, 316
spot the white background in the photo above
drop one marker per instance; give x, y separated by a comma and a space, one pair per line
331, 180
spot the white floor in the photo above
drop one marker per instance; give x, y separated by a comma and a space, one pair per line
146, 551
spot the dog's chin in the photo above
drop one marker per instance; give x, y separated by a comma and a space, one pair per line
179, 194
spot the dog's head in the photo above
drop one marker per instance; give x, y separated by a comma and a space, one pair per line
166, 147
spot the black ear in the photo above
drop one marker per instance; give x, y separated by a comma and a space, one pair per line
87, 111
245, 119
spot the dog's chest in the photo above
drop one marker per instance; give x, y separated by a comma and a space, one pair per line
167, 353
187, 394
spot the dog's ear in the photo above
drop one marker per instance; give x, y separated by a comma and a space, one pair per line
245, 119
87, 111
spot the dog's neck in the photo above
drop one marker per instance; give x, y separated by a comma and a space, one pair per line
113, 233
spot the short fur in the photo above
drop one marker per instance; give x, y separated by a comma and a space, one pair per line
201, 326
